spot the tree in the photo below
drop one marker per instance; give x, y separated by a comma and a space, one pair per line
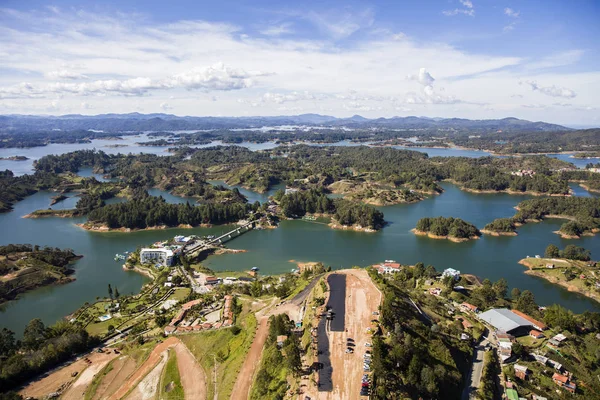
111, 329
292, 355
177, 280
7, 342
526, 303
515, 293
160, 320
117, 294
34, 334
110, 291
501, 288
552, 251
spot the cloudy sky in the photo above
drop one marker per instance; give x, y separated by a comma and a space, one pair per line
531, 59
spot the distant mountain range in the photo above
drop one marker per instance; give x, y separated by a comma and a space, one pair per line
168, 122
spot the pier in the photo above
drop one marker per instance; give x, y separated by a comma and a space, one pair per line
200, 245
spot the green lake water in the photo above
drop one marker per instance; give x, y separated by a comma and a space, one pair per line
272, 250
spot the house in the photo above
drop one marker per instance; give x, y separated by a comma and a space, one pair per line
550, 266
281, 340
168, 284
388, 267
466, 307
435, 291
536, 324
452, 273
555, 364
161, 256
212, 280
540, 358
560, 338
465, 323
191, 304
252, 273
564, 382
289, 190
521, 371
170, 329
230, 280
536, 334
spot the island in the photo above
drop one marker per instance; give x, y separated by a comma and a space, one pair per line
15, 158
24, 267
344, 214
582, 215
453, 229
570, 268
501, 227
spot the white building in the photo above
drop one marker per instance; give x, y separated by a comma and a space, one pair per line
451, 272
163, 257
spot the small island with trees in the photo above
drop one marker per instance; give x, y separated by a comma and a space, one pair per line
570, 268
582, 215
453, 229
24, 267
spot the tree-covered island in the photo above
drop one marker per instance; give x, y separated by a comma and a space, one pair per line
454, 229
582, 215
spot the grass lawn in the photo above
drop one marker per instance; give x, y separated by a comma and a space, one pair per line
235, 274
180, 294
230, 351
170, 382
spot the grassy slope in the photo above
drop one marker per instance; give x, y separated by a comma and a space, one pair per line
171, 376
229, 349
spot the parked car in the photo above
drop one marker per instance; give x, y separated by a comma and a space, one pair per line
367, 344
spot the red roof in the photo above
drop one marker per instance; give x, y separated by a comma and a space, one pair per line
191, 304
560, 378
535, 334
392, 265
535, 322
470, 306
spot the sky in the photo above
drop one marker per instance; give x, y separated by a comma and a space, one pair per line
477, 59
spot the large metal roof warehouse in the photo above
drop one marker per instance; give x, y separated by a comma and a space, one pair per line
504, 320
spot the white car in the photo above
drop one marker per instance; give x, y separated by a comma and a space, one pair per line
367, 344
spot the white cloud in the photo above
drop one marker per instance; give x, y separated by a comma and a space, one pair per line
449, 13
87, 106
134, 65
511, 13
65, 74
216, 77
277, 30
466, 3
554, 91
165, 106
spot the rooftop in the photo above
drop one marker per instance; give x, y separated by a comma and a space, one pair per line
504, 319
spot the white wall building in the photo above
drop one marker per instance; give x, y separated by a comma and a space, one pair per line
163, 257
451, 272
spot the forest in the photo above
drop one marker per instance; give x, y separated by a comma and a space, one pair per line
16, 188
312, 201
584, 213
451, 227
277, 363
150, 211
40, 349
501, 225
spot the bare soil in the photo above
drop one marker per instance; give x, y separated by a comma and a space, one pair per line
63, 377
362, 299
148, 386
122, 369
193, 378
78, 388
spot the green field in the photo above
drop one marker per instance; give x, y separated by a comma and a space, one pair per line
170, 382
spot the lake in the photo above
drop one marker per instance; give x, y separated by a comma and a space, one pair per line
272, 250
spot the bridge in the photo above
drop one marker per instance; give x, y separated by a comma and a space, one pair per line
199, 245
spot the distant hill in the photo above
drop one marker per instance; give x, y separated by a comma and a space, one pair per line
169, 122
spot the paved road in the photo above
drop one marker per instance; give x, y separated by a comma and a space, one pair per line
475, 372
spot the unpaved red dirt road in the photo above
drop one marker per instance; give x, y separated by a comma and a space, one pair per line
243, 383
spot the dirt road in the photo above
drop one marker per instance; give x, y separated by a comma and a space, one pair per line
241, 389
63, 377
343, 371
193, 378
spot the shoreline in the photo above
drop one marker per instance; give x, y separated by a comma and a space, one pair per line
498, 233
532, 271
106, 229
436, 237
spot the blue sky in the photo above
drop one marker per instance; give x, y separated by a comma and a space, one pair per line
537, 60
